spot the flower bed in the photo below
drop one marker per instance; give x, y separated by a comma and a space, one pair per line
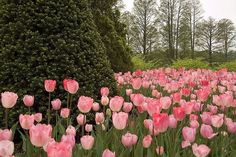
161, 112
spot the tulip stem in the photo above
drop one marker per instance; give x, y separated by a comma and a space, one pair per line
68, 99
6, 117
49, 103
29, 110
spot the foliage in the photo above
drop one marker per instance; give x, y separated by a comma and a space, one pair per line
231, 66
52, 39
191, 64
140, 63
106, 15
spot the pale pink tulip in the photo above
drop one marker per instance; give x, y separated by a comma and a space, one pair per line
26, 121
87, 142
56, 104
38, 117
136, 83
120, 120
160, 150
217, 120
116, 103
5, 134
88, 127
70, 130
127, 107
206, 117
6, 148
85, 104
137, 99
40, 134
99, 118
189, 134
60, 149
128, 140
104, 91
81, 119
128, 92
8, 99
165, 102
108, 153
147, 140
96, 106
65, 112
200, 150
104, 100
172, 121
69, 139
207, 131
72, 86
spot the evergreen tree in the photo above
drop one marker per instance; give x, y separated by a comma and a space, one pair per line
107, 19
51, 39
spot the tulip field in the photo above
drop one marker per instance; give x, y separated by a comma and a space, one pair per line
158, 113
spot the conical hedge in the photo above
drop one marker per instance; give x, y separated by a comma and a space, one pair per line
51, 39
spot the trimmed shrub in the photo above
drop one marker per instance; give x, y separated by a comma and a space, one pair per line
190, 64
139, 63
53, 39
231, 66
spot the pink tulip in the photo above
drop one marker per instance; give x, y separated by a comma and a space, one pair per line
206, 117
56, 104
81, 119
60, 149
176, 97
231, 127
179, 113
165, 102
88, 127
137, 99
99, 118
120, 120
185, 91
217, 120
6, 148
104, 100
127, 107
194, 124
65, 112
8, 99
108, 153
212, 109
172, 121
71, 130
38, 117
85, 104
5, 134
128, 140
153, 106
193, 117
200, 150
160, 150
69, 139
188, 107
128, 92
147, 140
136, 83
50, 85
87, 142
148, 123
207, 131
72, 86
28, 100
203, 94
95, 106
116, 103
189, 134
26, 121
104, 91
40, 134
161, 121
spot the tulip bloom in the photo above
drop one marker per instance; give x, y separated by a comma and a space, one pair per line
28, 100
61, 149
200, 150
104, 91
5, 134
49, 85
179, 113
6, 148
120, 120
26, 121
85, 104
8, 99
65, 112
116, 103
165, 102
71, 86
217, 120
128, 140
87, 142
71, 130
38, 117
81, 119
161, 121
108, 153
56, 104
207, 131
99, 118
147, 140
40, 134
189, 134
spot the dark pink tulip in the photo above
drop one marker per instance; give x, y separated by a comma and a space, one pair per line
28, 100
50, 85
161, 121
179, 113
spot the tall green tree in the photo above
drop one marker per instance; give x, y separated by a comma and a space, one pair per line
107, 17
51, 39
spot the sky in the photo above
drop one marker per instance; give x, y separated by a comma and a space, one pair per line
218, 9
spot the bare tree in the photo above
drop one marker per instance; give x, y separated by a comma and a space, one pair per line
226, 35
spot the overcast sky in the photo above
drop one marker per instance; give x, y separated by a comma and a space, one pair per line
216, 8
